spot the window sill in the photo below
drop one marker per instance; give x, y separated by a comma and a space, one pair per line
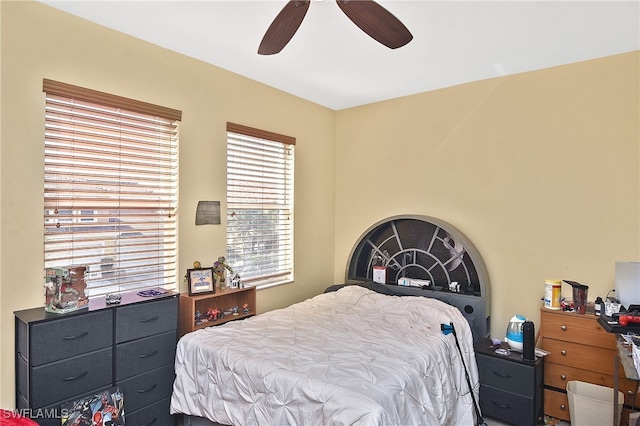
270, 284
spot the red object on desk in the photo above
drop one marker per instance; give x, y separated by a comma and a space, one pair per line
624, 320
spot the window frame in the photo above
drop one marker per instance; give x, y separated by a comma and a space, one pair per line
268, 274
126, 200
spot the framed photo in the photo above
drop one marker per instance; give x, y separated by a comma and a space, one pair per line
200, 281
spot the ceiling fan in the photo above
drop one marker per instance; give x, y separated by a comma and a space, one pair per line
368, 15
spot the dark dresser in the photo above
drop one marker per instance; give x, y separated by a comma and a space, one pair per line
131, 345
511, 389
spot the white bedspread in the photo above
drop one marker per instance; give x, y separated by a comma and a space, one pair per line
351, 357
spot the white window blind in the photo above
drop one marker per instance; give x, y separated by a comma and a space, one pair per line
110, 188
260, 204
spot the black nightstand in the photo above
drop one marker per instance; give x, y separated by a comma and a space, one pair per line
511, 389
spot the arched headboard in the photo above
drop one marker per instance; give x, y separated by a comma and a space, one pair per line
426, 248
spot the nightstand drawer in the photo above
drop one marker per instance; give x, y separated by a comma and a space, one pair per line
69, 337
142, 320
63, 379
142, 355
507, 406
145, 389
509, 376
580, 356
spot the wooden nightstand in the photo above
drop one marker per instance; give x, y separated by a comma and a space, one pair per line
222, 300
511, 389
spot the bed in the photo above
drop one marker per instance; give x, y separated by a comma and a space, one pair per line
361, 353
351, 356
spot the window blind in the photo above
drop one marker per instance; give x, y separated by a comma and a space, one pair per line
110, 188
260, 174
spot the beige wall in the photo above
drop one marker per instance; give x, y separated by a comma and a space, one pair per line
540, 170
39, 41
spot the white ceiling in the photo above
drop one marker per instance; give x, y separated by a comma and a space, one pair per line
332, 62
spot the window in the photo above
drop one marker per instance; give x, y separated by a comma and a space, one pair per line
260, 205
110, 188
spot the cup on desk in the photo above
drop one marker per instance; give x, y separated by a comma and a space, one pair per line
580, 298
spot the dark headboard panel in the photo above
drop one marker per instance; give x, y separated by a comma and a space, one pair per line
426, 248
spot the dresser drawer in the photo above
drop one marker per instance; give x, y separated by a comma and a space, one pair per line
506, 406
51, 414
145, 389
505, 375
556, 404
581, 329
558, 375
145, 354
61, 380
146, 319
579, 356
67, 337
157, 414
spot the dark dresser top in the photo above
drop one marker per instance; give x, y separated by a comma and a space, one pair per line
483, 346
96, 303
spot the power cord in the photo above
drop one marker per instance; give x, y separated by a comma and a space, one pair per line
447, 329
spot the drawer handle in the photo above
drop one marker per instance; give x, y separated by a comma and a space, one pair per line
563, 407
151, 422
563, 352
563, 377
75, 337
503, 406
563, 327
150, 319
148, 390
71, 379
143, 356
504, 376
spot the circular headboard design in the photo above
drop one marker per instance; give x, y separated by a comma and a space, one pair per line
427, 249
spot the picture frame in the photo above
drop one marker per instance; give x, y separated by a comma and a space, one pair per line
200, 281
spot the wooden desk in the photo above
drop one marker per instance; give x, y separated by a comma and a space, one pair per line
623, 356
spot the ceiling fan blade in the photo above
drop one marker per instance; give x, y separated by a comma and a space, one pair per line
283, 27
377, 22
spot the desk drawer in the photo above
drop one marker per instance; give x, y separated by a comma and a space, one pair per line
68, 337
146, 319
558, 375
579, 356
584, 330
556, 404
63, 379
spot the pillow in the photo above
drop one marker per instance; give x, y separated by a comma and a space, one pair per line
371, 285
